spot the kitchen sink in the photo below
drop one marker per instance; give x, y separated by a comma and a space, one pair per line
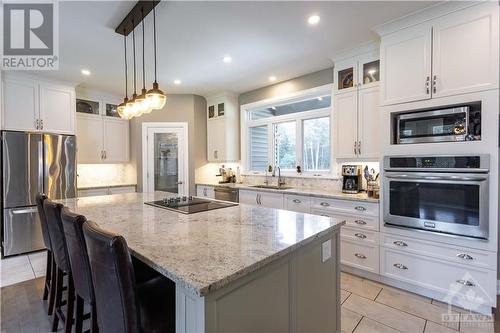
272, 187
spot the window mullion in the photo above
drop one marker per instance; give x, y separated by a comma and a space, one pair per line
299, 142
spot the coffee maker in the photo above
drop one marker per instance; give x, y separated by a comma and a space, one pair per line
351, 178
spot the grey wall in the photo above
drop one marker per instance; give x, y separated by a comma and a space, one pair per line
178, 108
307, 81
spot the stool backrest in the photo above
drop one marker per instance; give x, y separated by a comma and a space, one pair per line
56, 232
77, 251
40, 198
113, 279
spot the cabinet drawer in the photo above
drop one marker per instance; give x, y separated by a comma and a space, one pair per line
205, 191
364, 222
362, 256
346, 206
450, 253
121, 189
439, 275
297, 203
360, 235
93, 192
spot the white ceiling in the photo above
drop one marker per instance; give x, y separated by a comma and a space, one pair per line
263, 39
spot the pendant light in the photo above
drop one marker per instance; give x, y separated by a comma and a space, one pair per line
122, 112
141, 99
132, 104
156, 98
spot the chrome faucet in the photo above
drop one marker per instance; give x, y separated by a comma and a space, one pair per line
280, 181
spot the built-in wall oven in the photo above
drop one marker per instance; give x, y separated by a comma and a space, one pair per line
447, 194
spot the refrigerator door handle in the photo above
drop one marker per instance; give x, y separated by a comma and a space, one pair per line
40, 167
24, 211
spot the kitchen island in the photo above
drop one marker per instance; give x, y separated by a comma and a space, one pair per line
236, 269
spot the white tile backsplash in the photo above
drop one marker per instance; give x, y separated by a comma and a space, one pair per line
95, 175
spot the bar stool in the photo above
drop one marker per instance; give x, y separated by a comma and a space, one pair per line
80, 268
122, 305
49, 289
61, 259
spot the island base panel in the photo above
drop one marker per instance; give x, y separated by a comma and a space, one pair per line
296, 293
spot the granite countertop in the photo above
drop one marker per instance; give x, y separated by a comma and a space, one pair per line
89, 187
203, 251
320, 193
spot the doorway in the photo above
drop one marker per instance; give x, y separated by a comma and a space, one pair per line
165, 157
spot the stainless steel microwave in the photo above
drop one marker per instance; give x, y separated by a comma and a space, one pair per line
446, 194
443, 125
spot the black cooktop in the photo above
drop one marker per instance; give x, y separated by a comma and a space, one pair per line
190, 205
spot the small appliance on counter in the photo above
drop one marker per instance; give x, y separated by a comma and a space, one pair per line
227, 175
351, 179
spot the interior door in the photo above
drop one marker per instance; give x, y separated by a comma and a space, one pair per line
405, 65
346, 128
165, 160
465, 51
57, 109
368, 123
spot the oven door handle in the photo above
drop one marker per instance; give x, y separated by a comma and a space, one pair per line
454, 178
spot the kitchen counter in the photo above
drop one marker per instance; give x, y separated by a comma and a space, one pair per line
240, 268
91, 187
203, 251
319, 193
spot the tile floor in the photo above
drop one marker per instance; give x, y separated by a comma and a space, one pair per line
367, 306
21, 268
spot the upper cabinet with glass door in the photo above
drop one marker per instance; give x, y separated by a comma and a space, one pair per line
357, 72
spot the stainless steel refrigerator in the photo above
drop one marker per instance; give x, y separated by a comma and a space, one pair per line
33, 163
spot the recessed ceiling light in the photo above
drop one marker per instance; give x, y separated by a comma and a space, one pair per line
313, 19
272, 78
320, 98
177, 81
85, 72
227, 59
273, 107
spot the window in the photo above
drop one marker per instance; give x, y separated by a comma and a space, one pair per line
316, 150
258, 148
284, 145
295, 133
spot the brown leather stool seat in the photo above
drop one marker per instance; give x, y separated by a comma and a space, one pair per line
122, 305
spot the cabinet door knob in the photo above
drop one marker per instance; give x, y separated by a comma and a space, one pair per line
359, 147
297, 201
36, 123
360, 256
355, 146
400, 266
400, 243
41, 123
360, 222
427, 83
465, 256
360, 208
466, 283
434, 83
325, 204
360, 235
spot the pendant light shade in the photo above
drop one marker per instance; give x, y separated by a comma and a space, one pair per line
155, 97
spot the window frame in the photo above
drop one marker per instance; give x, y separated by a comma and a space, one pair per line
247, 123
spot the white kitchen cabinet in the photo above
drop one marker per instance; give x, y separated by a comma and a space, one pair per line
357, 72
223, 140
31, 105
116, 139
454, 54
297, 203
465, 51
102, 139
261, 198
356, 117
359, 255
57, 108
91, 192
405, 65
205, 191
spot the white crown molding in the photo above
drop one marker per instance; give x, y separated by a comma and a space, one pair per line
423, 15
368, 47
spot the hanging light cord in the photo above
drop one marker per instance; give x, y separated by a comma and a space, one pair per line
126, 76
154, 36
143, 62
133, 42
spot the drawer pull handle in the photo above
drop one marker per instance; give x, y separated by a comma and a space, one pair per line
466, 283
325, 204
400, 266
360, 208
297, 201
360, 235
400, 243
465, 256
360, 256
360, 222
